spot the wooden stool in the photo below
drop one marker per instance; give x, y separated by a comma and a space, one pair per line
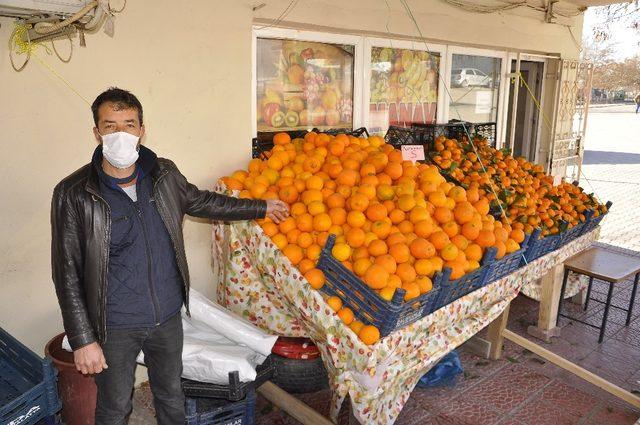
607, 266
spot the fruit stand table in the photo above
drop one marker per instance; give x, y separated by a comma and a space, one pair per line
547, 288
256, 281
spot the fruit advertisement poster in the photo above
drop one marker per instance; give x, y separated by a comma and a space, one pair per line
404, 87
303, 85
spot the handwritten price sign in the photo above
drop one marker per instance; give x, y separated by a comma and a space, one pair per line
413, 153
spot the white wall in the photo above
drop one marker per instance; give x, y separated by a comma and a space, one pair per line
189, 63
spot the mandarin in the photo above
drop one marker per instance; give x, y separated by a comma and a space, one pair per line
422, 248
376, 276
315, 277
377, 247
369, 335
406, 272
346, 315
388, 262
294, 253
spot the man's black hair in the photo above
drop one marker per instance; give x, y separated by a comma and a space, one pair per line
122, 99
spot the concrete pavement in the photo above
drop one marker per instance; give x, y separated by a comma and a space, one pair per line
611, 169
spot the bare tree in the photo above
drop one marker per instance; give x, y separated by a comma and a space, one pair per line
616, 15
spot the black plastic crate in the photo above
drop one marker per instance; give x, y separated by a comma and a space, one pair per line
486, 130
421, 134
459, 130
262, 144
260, 148
538, 247
358, 132
454, 129
28, 390
399, 136
507, 264
235, 390
451, 290
215, 411
403, 136
366, 304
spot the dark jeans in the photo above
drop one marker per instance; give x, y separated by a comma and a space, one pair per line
162, 347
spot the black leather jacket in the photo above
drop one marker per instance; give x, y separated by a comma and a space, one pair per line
80, 227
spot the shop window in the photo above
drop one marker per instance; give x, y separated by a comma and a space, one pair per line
475, 83
404, 87
303, 85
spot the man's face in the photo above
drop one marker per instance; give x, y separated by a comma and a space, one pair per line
112, 119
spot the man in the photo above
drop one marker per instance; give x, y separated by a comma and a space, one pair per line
119, 263
637, 99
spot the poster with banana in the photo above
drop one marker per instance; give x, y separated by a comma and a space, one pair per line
404, 77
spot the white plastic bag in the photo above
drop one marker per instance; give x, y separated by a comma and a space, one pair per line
217, 342
229, 324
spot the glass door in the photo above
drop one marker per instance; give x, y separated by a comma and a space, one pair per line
475, 85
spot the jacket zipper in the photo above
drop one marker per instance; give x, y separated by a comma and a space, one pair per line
152, 290
105, 262
160, 205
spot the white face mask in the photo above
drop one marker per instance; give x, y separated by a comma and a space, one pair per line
120, 149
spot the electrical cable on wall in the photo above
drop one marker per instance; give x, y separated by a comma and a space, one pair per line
478, 8
31, 33
292, 5
51, 28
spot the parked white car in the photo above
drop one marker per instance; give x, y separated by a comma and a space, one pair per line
465, 77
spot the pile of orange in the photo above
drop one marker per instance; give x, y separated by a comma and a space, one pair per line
521, 189
396, 223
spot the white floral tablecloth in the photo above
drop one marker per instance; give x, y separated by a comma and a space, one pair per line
256, 281
575, 282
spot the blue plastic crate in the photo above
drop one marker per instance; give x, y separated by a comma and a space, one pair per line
540, 246
576, 231
216, 411
507, 264
367, 305
28, 390
451, 290
595, 221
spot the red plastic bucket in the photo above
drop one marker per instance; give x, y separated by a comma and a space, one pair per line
295, 348
77, 392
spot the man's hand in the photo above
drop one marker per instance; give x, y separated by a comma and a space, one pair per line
89, 359
277, 210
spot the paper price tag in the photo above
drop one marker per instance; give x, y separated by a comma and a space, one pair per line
412, 153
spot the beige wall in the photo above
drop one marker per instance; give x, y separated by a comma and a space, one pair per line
522, 29
189, 62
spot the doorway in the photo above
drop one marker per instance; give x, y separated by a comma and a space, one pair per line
525, 141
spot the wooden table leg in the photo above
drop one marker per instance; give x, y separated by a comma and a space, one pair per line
549, 298
494, 334
580, 298
294, 407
